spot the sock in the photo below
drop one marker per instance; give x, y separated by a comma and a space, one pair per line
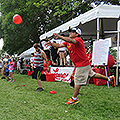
74, 98
109, 79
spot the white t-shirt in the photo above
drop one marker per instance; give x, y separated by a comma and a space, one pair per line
18, 63
5, 59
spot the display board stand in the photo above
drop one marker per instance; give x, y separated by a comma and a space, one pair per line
100, 54
106, 74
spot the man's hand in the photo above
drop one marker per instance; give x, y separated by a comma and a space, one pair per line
57, 36
48, 43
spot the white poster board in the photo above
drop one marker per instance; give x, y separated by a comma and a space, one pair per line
100, 52
109, 39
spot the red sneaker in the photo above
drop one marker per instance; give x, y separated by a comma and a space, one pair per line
71, 101
112, 82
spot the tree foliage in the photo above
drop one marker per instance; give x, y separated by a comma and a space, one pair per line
38, 16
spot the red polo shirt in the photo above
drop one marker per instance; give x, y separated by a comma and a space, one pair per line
77, 53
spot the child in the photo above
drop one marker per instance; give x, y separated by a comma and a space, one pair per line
14, 66
11, 71
7, 71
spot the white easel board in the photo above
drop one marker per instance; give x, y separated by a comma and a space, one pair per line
100, 52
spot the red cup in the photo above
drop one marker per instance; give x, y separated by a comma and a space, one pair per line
52, 92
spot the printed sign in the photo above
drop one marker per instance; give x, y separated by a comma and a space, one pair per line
100, 52
62, 73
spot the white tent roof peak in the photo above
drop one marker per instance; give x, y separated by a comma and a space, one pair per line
101, 11
27, 53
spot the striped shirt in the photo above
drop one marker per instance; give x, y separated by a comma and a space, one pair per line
38, 60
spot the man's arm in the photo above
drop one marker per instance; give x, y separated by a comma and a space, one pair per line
45, 58
67, 39
54, 44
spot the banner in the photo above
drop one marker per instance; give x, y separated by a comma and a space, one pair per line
62, 73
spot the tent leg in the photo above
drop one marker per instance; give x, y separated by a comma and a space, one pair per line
106, 74
98, 28
117, 69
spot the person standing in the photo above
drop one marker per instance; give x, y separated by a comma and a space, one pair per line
5, 59
78, 56
31, 61
7, 70
11, 70
21, 63
46, 49
62, 52
14, 66
9, 60
1, 65
54, 54
3, 69
39, 55
18, 66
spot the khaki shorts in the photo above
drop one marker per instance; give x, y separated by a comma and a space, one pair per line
18, 68
82, 74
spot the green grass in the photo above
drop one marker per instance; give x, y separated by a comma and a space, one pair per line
96, 102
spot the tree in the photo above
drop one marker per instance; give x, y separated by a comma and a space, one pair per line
38, 16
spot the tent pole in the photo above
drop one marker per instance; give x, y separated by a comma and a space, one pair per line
117, 69
98, 30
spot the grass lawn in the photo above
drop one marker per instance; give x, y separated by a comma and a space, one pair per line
19, 102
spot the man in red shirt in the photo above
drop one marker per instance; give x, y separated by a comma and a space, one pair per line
78, 56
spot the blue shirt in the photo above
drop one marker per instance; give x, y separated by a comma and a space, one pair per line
7, 68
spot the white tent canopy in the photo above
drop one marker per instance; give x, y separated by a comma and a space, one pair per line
27, 53
93, 23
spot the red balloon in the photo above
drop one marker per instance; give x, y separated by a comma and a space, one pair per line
111, 61
52, 92
17, 19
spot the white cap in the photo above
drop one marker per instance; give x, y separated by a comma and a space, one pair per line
77, 30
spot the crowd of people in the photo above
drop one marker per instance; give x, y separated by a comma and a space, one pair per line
8, 66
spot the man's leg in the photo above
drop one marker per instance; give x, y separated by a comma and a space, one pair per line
37, 74
40, 86
39, 83
111, 79
99, 76
76, 90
